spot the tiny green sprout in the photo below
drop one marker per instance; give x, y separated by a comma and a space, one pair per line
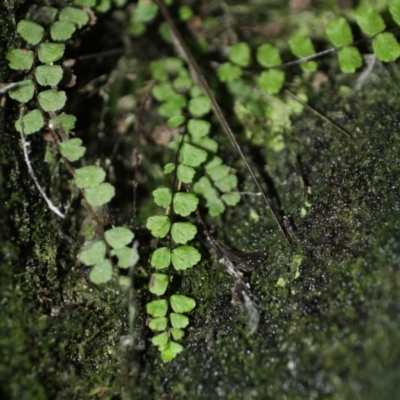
101, 273
183, 232
185, 257
99, 195
89, 177
281, 282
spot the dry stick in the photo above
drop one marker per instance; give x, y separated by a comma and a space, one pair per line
216, 108
318, 114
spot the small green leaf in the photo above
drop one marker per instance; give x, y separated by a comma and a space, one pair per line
281, 282
394, 8
170, 109
30, 31
159, 225
199, 106
177, 333
161, 339
170, 351
182, 82
124, 282
48, 75
157, 308
198, 128
196, 91
158, 70
185, 13
369, 21
179, 320
23, 92
272, 80
339, 32
349, 59
162, 197
101, 273
72, 150
216, 171
386, 47
240, 54
231, 199
185, 257
192, 155
104, 5
168, 168
161, 258
163, 91
63, 122
20, 59
185, 173
126, 256
77, 16
185, 203
145, 11
182, 304
31, 122
52, 100
99, 195
50, 52
228, 72
94, 253
206, 143
176, 121
158, 284
62, 30
183, 232
158, 324
268, 56
302, 46
227, 183
85, 3
118, 237
89, 177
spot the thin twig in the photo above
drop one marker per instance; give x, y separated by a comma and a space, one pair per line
217, 110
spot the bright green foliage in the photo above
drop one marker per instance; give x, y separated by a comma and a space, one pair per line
158, 70
161, 258
182, 82
99, 195
206, 143
179, 320
30, 31
145, 11
216, 170
20, 59
198, 127
103, 6
62, 30
168, 168
94, 253
163, 90
185, 13
196, 91
48, 75
176, 121
192, 155
126, 256
349, 59
157, 308
159, 225
71, 14
162, 197
72, 150
185, 203
213, 202
302, 46
85, 3
339, 32
183, 232
185, 257
240, 54
158, 284
118, 237
160, 340
50, 52
170, 351
231, 199
369, 21
227, 72
185, 173
52, 100
177, 333
182, 304
101, 273
63, 122
158, 324
199, 106
31, 122
227, 183
386, 47
23, 92
271, 81
89, 177
268, 56
394, 8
